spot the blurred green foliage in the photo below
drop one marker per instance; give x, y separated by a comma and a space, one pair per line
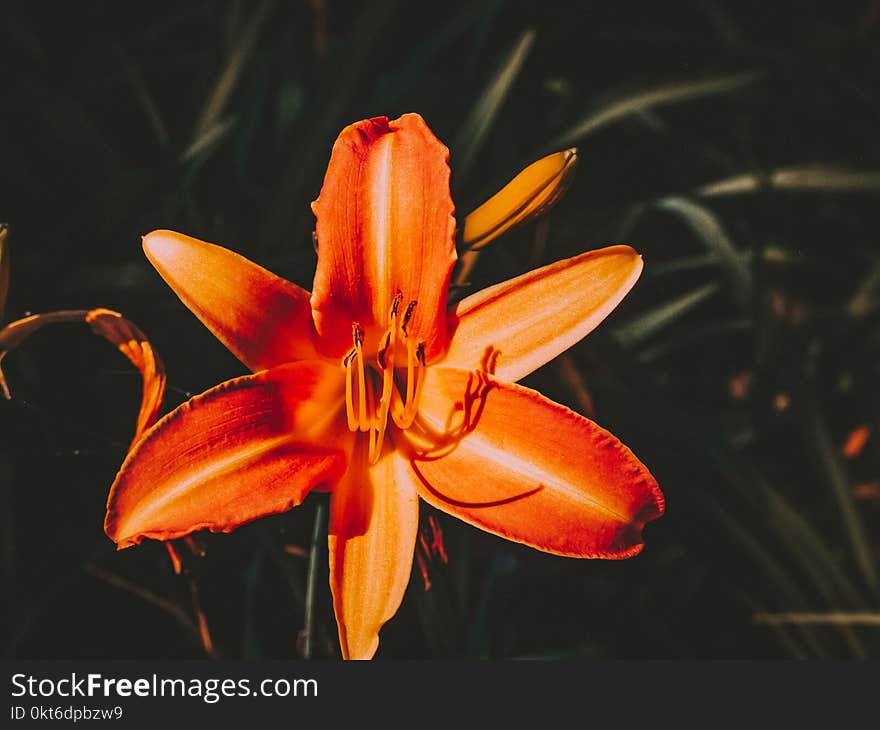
733, 144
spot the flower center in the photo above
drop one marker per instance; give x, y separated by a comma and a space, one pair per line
371, 392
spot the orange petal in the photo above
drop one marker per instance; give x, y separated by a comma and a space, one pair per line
521, 324
384, 224
136, 347
252, 446
113, 327
374, 516
520, 466
263, 319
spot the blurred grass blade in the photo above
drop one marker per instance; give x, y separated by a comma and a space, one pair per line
490, 604
206, 140
785, 586
657, 96
146, 100
327, 118
250, 638
837, 618
818, 442
680, 265
473, 132
783, 634
785, 533
866, 298
802, 178
316, 548
239, 56
4, 268
708, 229
431, 47
673, 343
533, 191
654, 320
171, 608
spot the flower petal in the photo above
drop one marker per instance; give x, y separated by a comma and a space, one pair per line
384, 224
374, 516
518, 465
251, 446
112, 326
523, 323
263, 319
533, 191
134, 344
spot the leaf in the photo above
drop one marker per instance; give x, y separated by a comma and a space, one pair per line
313, 144
411, 71
244, 45
250, 639
819, 444
800, 178
708, 229
474, 130
641, 101
649, 323
207, 140
866, 297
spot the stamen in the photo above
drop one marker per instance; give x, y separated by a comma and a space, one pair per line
376, 437
415, 354
377, 432
366, 408
349, 400
358, 334
387, 389
406, 316
398, 298
410, 374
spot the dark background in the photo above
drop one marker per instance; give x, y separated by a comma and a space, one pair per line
735, 369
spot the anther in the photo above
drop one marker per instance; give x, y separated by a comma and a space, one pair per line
358, 334
357, 419
384, 351
349, 396
415, 354
395, 305
407, 315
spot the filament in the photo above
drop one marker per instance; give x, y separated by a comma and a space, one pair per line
371, 396
349, 400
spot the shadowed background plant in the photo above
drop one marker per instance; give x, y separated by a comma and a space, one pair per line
732, 144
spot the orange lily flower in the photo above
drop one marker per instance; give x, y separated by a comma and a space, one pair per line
372, 388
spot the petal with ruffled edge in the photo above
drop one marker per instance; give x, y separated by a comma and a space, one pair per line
250, 447
517, 326
263, 319
508, 460
374, 516
384, 224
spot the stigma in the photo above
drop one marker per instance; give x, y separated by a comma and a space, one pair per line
385, 381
